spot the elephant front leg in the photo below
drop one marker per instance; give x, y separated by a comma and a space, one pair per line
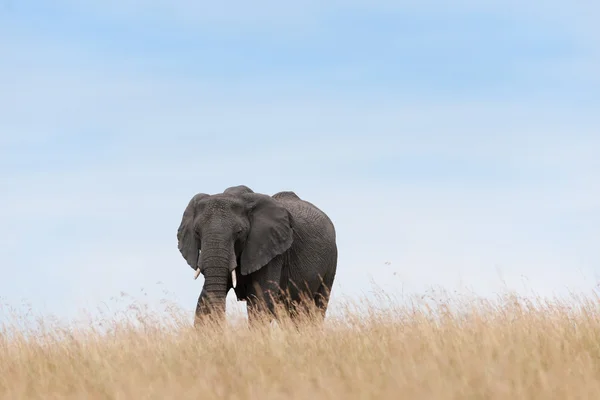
198, 314
261, 302
263, 292
204, 314
259, 311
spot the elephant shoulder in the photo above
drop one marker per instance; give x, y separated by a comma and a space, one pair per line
286, 195
304, 212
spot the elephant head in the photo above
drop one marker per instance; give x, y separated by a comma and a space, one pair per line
235, 228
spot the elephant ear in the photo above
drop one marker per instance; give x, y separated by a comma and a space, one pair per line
188, 243
270, 232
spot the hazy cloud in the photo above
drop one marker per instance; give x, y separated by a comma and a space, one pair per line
100, 148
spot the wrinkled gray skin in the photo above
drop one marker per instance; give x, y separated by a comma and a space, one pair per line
276, 244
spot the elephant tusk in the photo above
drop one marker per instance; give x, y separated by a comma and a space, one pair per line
197, 273
233, 278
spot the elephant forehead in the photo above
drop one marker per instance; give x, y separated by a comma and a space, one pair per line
222, 204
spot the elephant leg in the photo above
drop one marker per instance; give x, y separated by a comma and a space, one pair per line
264, 291
258, 310
323, 293
201, 315
312, 303
260, 303
198, 314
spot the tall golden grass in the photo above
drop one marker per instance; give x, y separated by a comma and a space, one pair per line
452, 348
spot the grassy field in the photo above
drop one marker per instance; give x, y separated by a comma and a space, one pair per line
463, 348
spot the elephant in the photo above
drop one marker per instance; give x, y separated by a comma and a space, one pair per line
269, 249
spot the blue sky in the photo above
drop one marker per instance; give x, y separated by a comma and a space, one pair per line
457, 142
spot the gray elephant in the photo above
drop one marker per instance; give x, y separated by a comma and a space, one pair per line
267, 248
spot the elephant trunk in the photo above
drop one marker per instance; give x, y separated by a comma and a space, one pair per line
215, 260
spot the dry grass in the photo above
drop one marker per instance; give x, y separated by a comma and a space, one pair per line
510, 348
